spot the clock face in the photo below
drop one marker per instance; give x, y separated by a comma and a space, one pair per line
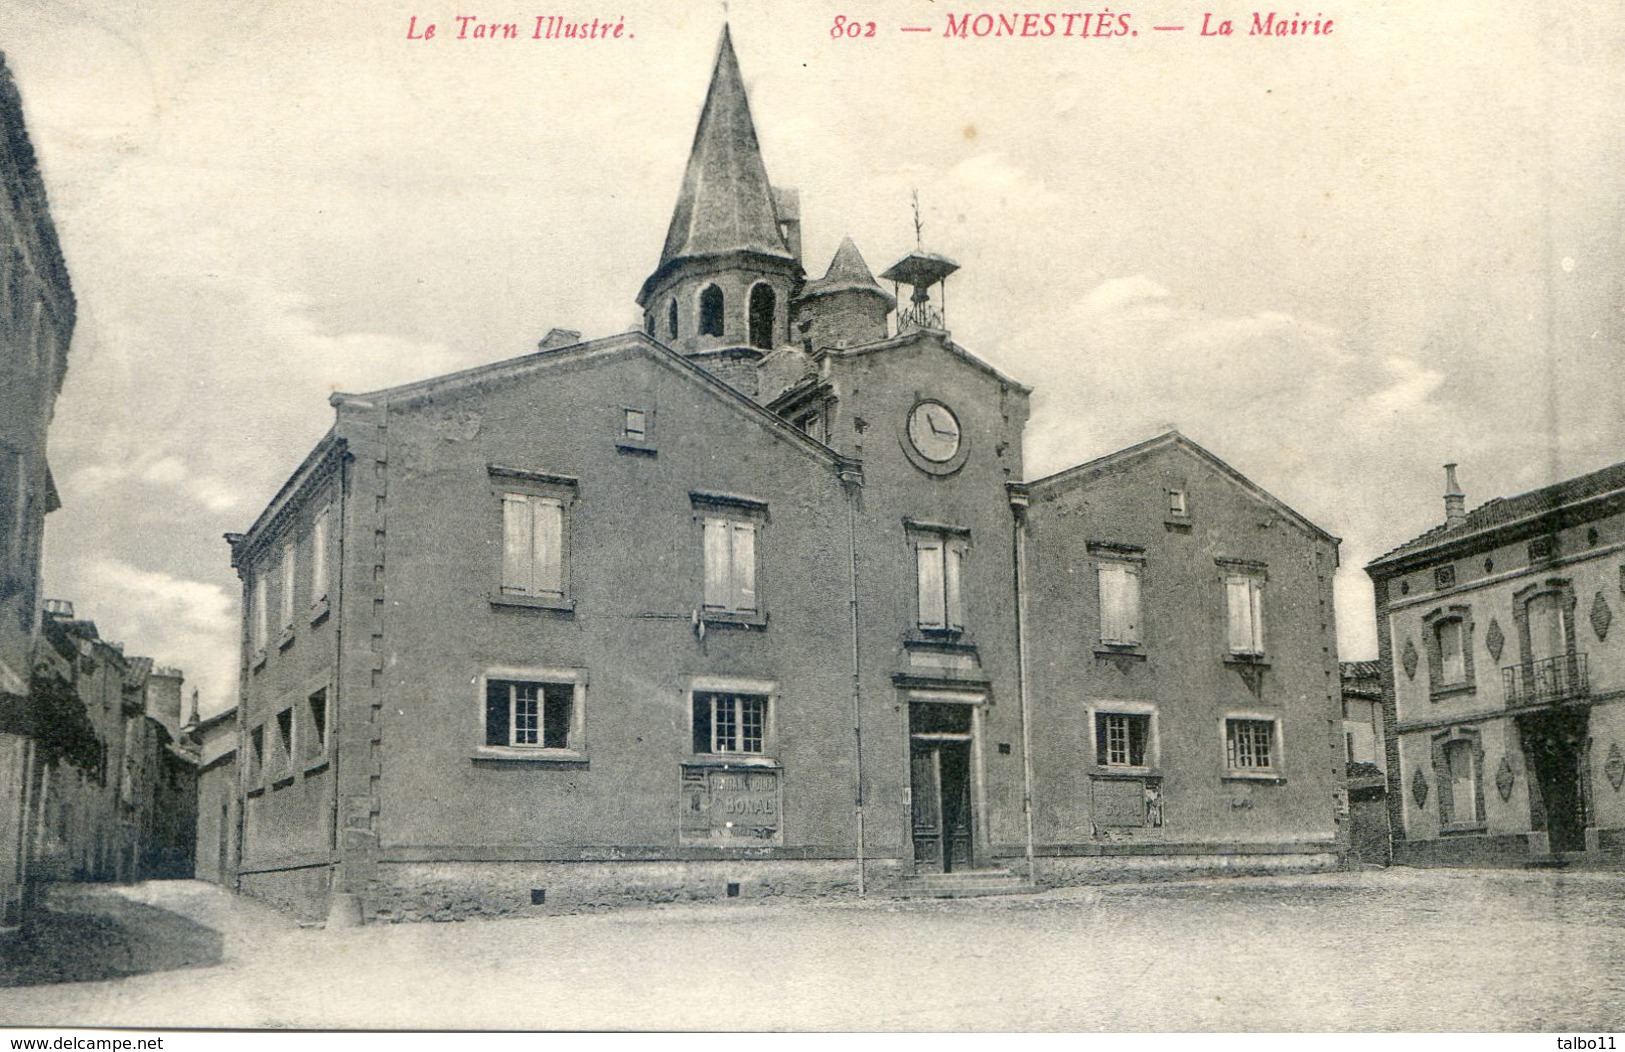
933, 430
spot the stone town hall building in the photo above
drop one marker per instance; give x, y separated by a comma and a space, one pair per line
759, 600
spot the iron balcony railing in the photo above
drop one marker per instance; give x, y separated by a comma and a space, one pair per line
1558, 678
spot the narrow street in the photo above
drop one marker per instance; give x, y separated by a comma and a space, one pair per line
1410, 950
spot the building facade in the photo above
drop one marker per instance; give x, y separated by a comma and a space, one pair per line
730, 606
217, 800
1364, 749
1502, 679
36, 322
1183, 663
116, 796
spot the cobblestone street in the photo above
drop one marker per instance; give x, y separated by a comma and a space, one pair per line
1411, 950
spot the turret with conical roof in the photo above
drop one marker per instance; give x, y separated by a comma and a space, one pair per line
721, 293
844, 308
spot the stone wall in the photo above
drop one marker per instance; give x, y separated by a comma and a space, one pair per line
413, 891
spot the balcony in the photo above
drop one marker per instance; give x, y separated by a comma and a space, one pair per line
1554, 679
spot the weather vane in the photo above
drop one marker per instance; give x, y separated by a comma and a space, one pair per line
914, 195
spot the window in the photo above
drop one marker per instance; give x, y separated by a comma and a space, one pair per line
1448, 634
1250, 746
729, 722
1119, 601
729, 528
1176, 502
529, 715
256, 613
671, 320
763, 305
711, 311
532, 545
318, 557
812, 423
1452, 658
256, 753
535, 537
284, 738
1244, 608
939, 560
1458, 765
635, 425
290, 571
1120, 739
316, 706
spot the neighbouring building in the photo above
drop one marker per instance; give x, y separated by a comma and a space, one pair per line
36, 322
217, 802
1363, 750
116, 799
1502, 679
757, 601
1183, 663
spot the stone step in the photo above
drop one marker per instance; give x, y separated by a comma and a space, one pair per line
964, 884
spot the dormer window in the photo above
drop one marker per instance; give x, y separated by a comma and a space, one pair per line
711, 311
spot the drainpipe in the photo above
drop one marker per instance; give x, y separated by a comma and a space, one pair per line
1019, 500
851, 473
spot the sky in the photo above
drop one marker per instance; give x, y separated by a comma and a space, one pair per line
1337, 261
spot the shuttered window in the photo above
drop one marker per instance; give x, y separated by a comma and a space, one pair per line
1244, 601
939, 562
1119, 604
256, 615
730, 565
290, 574
318, 557
532, 545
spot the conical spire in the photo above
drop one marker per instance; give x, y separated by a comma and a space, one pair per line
847, 273
726, 204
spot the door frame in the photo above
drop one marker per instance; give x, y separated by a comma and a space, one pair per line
976, 700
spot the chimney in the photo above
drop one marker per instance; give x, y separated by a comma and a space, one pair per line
559, 338
1455, 501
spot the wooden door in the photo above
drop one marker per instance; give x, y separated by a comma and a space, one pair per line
926, 790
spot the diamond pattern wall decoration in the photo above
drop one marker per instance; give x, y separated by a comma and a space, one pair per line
1495, 639
1615, 767
1409, 659
1419, 788
1504, 778
1601, 616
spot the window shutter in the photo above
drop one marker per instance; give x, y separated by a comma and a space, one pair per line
318, 558
1119, 604
744, 566
933, 613
289, 575
1240, 606
257, 598
717, 589
516, 543
953, 558
547, 551
1130, 618
1255, 596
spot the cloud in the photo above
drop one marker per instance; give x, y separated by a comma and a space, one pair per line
1285, 399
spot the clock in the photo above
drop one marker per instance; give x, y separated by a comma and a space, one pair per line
934, 432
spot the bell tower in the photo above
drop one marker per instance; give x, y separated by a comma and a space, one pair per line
731, 262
